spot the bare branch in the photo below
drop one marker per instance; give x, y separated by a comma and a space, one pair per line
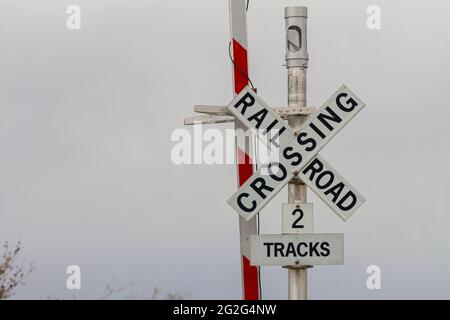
12, 274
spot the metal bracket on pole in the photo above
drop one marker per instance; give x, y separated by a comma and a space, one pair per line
208, 119
220, 114
297, 267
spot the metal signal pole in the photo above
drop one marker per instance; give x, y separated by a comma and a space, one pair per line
297, 63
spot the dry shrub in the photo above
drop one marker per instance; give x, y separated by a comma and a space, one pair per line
12, 273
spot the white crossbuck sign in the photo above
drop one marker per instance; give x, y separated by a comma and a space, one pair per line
297, 153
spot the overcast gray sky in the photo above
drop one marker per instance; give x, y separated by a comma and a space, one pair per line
86, 118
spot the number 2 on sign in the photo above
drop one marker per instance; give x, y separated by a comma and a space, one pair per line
297, 218
296, 224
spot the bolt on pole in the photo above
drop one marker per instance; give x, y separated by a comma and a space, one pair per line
296, 64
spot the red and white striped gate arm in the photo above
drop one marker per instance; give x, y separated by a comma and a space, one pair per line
244, 147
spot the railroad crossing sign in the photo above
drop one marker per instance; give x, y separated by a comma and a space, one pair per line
294, 159
297, 154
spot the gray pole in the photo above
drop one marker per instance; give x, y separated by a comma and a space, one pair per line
297, 63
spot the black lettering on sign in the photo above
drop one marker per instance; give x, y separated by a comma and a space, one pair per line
290, 249
281, 168
296, 224
288, 155
312, 143
351, 104
313, 249
259, 117
276, 133
279, 247
314, 166
320, 180
324, 118
348, 206
317, 130
325, 246
324, 180
268, 244
274, 139
335, 191
241, 204
246, 101
270, 126
259, 184
299, 249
